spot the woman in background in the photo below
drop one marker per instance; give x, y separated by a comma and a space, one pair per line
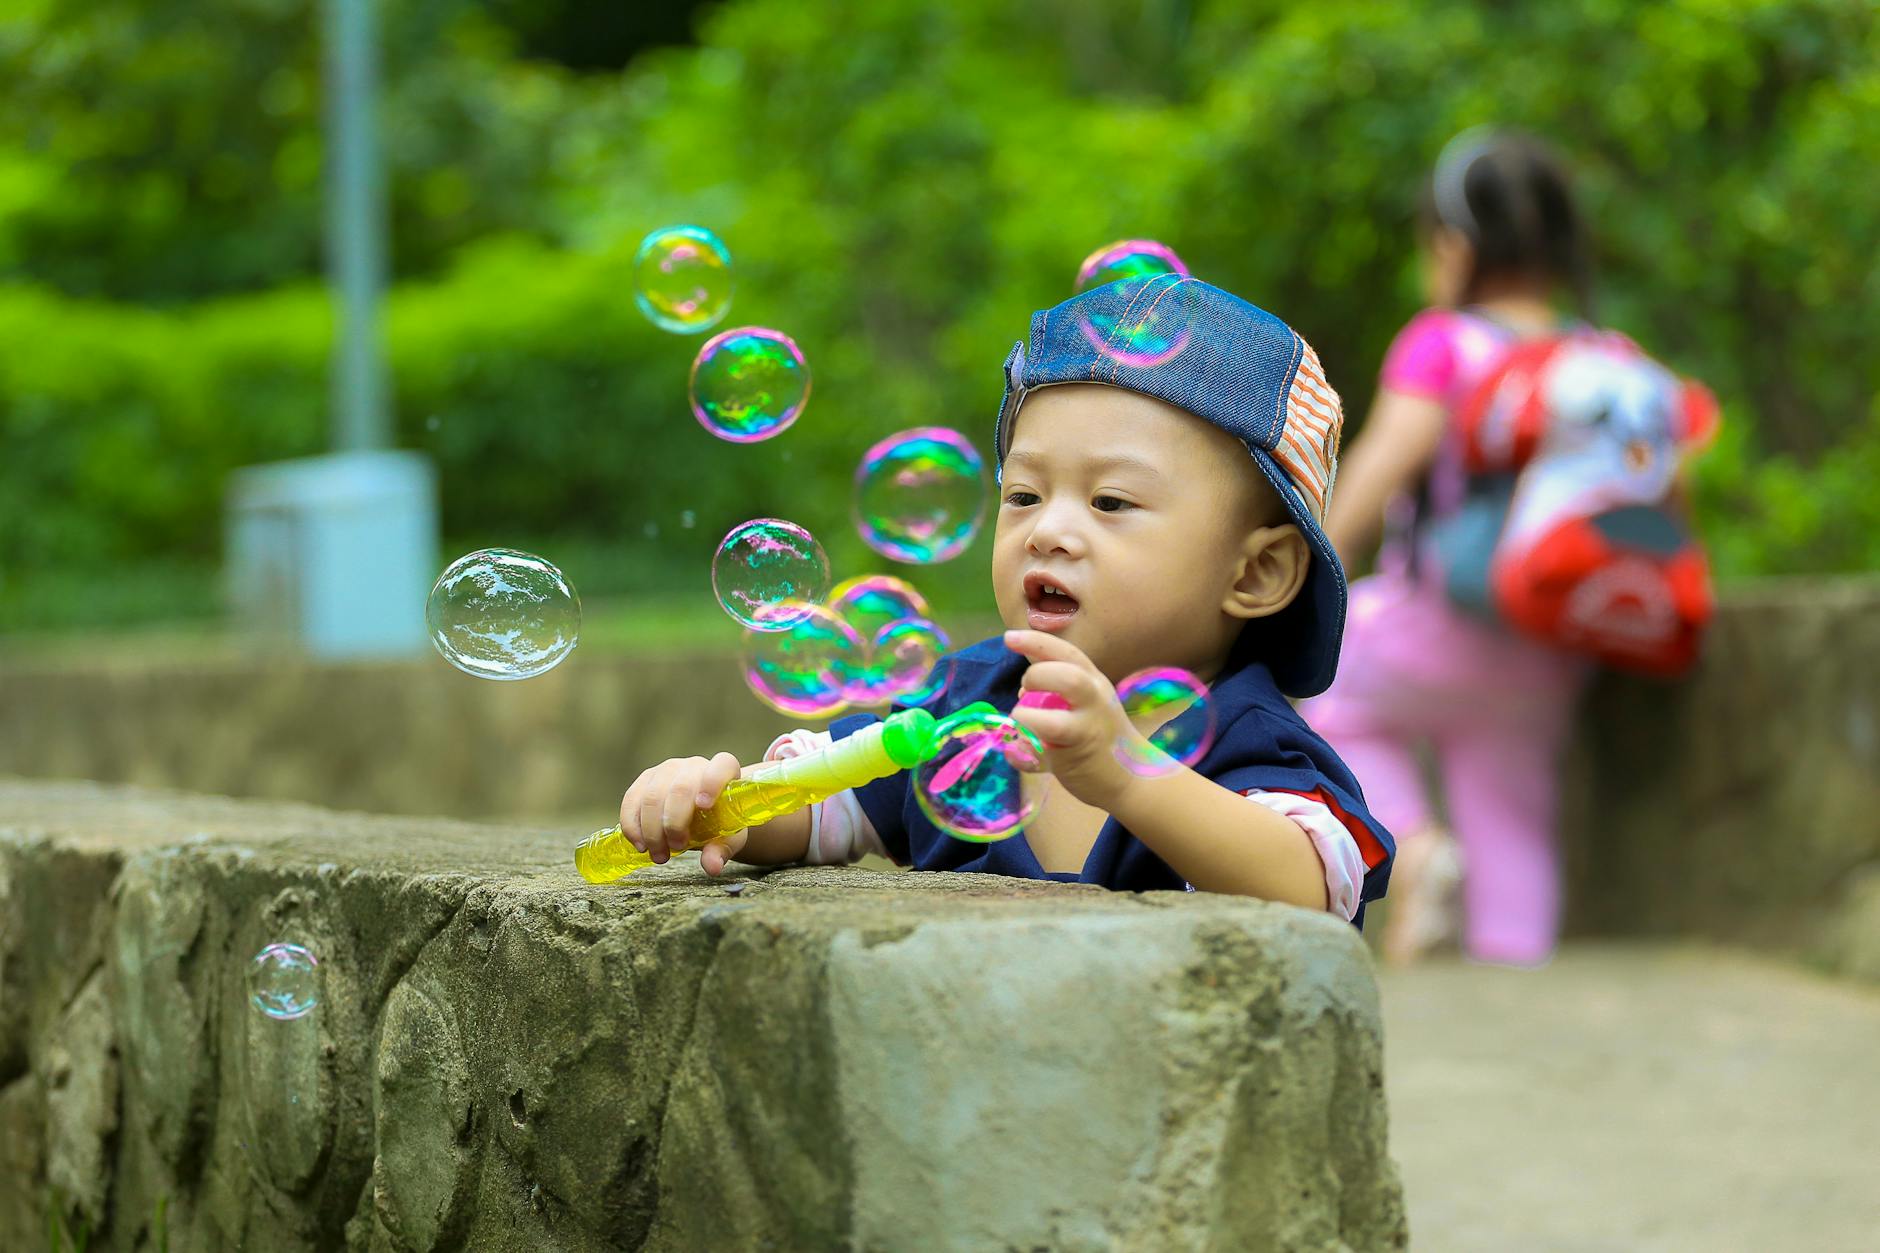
1423, 681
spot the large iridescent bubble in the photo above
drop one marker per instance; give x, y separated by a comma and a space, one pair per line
981, 785
748, 384
1128, 258
800, 668
502, 614
1170, 707
920, 496
766, 569
284, 981
682, 279
1152, 329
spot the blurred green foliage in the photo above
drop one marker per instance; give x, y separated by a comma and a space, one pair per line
901, 183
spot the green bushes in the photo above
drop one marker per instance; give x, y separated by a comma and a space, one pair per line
901, 182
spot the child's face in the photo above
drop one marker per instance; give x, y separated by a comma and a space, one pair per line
1153, 527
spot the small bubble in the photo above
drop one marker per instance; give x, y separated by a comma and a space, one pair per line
1170, 707
980, 784
688, 519
1128, 258
920, 496
501, 614
749, 384
284, 981
764, 565
682, 279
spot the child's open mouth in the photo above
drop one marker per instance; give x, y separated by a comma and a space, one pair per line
1050, 605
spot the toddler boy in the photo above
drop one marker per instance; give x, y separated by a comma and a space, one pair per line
1156, 509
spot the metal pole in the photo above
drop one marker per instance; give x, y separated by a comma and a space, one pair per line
355, 226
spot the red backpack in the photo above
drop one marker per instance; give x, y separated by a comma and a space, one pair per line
1578, 535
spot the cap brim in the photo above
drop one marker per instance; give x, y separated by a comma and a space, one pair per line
1300, 643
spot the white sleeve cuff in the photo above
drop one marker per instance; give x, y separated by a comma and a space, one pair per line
1338, 851
839, 832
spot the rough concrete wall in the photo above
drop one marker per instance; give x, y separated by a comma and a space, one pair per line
1740, 804
1744, 803
411, 737
505, 1057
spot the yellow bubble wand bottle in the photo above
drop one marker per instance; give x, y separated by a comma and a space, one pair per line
776, 788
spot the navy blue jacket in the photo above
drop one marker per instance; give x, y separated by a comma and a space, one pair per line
1260, 742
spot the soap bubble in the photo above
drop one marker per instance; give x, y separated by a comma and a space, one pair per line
764, 568
1128, 258
977, 786
909, 657
682, 279
749, 383
920, 495
903, 662
284, 981
1178, 701
501, 614
799, 667
871, 601
1151, 330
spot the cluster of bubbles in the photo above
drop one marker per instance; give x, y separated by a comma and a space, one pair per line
501, 614
983, 783
870, 644
1170, 707
920, 495
284, 981
747, 384
810, 651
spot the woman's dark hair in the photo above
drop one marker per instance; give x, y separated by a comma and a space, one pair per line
1510, 195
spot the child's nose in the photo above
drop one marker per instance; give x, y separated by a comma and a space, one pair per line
1054, 530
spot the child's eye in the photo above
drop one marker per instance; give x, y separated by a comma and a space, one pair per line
1110, 504
1021, 499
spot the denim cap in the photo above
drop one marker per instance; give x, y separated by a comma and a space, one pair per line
1211, 353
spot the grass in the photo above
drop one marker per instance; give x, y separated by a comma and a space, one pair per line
635, 599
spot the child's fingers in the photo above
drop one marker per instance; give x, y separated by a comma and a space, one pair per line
681, 802
1074, 683
630, 811
1056, 727
718, 772
1042, 646
651, 812
715, 854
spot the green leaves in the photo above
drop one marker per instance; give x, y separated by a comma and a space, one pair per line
901, 183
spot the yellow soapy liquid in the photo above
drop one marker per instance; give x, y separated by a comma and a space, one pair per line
608, 855
766, 792
773, 789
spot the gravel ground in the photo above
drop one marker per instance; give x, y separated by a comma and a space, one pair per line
1635, 1097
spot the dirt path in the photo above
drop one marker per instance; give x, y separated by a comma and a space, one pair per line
1635, 1098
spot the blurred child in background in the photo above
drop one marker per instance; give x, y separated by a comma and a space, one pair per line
1422, 679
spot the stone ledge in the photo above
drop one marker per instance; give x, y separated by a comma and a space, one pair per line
505, 1057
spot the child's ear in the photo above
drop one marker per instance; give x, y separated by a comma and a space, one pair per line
1274, 562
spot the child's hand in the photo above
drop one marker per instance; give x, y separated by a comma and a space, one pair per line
656, 813
1080, 742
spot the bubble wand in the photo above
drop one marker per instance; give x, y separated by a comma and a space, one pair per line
776, 788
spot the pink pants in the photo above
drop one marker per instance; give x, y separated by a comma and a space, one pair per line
1493, 710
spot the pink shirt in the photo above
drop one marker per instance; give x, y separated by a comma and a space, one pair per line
1440, 355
